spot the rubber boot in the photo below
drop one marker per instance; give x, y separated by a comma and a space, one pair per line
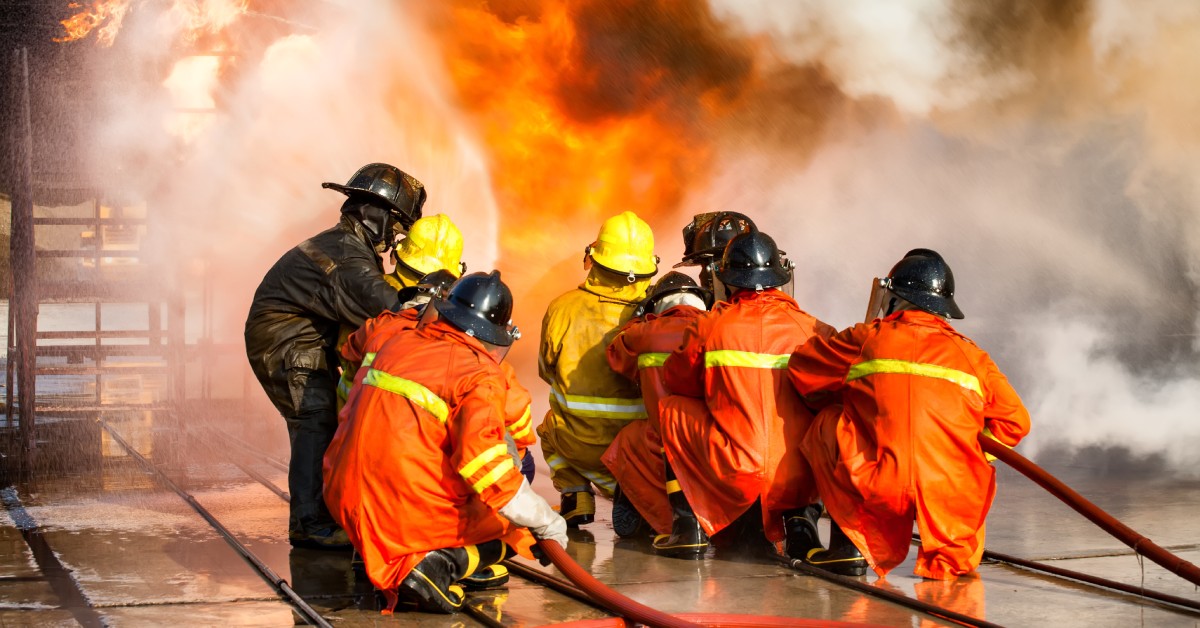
842, 557
433, 584
578, 508
627, 521
489, 574
800, 531
687, 539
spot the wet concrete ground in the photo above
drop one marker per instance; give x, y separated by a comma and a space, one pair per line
107, 544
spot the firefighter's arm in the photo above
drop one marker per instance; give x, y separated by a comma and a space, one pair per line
683, 372
529, 510
622, 358
1005, 417
360, 292
818, 367
480, 453
550, 346
518, 410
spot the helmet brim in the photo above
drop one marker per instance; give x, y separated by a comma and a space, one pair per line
754, 277
355, 191
941, 306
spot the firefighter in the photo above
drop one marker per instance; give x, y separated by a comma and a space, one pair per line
705, 239
332, 279
420, 473
589, 403
908, 373
638, 353
732, 424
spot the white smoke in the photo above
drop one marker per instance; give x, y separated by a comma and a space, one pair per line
1056, 181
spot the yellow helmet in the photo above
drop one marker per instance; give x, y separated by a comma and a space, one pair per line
625, 246
433, 243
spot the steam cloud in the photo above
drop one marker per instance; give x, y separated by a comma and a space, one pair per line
1049, 150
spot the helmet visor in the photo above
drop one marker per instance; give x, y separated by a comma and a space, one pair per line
878, 298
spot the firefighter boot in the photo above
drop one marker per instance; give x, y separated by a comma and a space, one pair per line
578, 508
431, 585
842, 557
627, 521
800, 531
687, 539
489, 574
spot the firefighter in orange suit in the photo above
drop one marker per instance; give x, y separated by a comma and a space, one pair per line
902, 443
420, 473
638, 353
732, 426
589, 403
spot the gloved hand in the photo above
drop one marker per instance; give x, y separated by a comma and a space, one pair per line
528, 510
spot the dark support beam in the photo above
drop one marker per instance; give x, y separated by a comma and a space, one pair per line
24, 298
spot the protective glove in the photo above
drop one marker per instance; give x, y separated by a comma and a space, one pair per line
528, 510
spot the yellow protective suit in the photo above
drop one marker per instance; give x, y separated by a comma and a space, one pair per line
589, 403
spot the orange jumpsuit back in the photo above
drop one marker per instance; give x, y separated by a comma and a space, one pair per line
732, 427
635, 455
419, 460
902, 444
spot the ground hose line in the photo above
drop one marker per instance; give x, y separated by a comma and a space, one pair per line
897, 598
611, 600
309, 614
1107, 522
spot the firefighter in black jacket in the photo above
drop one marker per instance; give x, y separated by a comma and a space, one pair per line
332, 279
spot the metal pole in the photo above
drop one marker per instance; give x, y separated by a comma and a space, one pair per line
22, 251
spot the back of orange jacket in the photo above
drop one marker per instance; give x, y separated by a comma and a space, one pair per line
902, 445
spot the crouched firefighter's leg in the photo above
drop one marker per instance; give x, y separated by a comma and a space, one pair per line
687, 538
433, 585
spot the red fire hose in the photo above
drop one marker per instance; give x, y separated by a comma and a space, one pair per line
1120, 531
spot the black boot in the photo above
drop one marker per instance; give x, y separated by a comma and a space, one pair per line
489, 574
578, 508
800, 531
433, 584
842, 557
627, 521
687, 539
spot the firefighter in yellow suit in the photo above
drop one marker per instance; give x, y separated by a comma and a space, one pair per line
589, 403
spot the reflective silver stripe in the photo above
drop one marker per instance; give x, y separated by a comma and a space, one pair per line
904, 367
556, 462
747, 359
650, 360
599, 407
603, 480
410, 390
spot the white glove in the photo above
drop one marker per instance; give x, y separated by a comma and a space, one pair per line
528, 510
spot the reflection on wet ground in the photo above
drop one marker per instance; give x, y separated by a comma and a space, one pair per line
138, 554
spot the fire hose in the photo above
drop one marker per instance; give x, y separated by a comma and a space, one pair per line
1139, 543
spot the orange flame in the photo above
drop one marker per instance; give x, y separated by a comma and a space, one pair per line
106, 15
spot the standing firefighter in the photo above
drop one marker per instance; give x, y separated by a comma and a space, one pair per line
902, 444
332, 279
638, 353
732, 426
420, 472
589, 403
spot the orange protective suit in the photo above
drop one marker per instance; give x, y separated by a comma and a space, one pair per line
733, 425
419, 460
902, 444
376, 331
635, 455
589, 403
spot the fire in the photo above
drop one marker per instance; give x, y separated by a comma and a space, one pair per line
106, 15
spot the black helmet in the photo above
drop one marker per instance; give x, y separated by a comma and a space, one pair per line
924, 279
673, 283
753, 261
402, 194
708, 234
433, 285
481, 305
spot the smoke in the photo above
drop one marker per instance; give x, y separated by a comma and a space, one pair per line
1048, 149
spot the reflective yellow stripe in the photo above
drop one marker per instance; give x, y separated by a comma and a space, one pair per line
493, 452
748, 359
556, 462
602, 480
367, 360
494, 475
520, 428
673, 486
648, 360
904, 367
344, 385
599, 407
472, 559
410, 390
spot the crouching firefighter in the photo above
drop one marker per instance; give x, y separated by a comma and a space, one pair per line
589, 403
329, 281
638, 353
914, 396
732, 426
420, 473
